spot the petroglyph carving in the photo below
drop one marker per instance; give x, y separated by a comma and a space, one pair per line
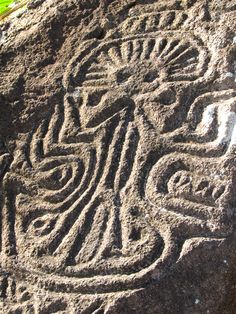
91, 193
152, 22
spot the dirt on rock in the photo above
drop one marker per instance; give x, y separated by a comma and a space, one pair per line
117, 157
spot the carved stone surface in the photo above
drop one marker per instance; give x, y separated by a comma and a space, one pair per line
117, 157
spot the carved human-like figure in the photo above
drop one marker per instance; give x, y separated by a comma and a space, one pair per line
95, 188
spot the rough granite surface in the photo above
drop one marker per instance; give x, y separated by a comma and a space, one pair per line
117, 158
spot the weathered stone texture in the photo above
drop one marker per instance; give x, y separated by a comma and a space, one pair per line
117, 157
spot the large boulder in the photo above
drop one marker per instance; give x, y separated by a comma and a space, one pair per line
117, 157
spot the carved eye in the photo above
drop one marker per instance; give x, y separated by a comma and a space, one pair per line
135, 234
151, 76
123, 76
180, 183
38, 224
217, 192
95, 97
43, 225
167, 97
202, 185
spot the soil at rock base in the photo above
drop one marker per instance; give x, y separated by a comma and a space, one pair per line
117, 157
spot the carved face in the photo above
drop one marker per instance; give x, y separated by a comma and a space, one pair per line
146, 71
127, 156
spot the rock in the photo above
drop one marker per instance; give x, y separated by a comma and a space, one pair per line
117, 158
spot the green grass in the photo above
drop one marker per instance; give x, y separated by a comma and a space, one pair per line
4, 6
6, 9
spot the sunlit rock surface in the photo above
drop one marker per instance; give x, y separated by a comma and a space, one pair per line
117, 158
